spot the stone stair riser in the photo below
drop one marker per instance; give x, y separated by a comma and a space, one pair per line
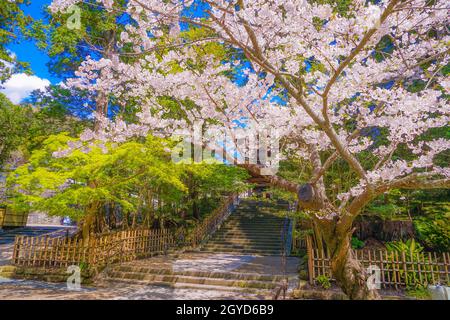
151, 278
203, 274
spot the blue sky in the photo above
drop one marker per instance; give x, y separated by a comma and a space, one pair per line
27, 51
20, 85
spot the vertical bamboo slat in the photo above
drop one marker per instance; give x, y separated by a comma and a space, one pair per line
310, 259
431, 267
445, 259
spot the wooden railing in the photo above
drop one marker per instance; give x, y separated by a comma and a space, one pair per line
395, 269
45, 251
298, 244
209, 225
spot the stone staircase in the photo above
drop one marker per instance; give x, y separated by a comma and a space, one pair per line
252, 229
208, 271
244, 255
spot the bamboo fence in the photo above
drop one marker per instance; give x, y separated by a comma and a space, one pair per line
396, 269
49, 251
10, 218
45, 251
298, 244
209, 225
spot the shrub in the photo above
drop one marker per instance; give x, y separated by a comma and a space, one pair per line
303, 275
323, 281
434, 232
357, 244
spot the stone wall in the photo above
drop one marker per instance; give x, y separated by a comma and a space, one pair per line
383, 230
40, 218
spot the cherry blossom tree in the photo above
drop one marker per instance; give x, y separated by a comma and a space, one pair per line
320, 76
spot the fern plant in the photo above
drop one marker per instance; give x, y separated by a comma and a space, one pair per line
413, 254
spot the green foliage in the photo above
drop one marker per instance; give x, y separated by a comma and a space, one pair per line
384, 211
324, 282
357, 244
339, 6
68, 48
408, 247
84, 266
419, 293
24, 128
428, 209
15, 25
136, 177
84, 181
14, 121
434, 232
413, 253
12, 19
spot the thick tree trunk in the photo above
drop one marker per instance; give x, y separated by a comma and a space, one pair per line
336, 232
195, 207
195, 210
87, 227
350, 275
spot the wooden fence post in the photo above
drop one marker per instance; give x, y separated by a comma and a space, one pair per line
309, 251
16, 249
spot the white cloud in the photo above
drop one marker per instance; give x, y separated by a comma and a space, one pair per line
20, 85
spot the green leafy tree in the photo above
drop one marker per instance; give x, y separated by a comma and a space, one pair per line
81, 183
207, 181
135, 178
25, 127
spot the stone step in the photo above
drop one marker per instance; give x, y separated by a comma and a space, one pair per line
196, 273
272, 212
277, 242
253, 216
250, 228
245, 241
263, 294
163, 279
267, 211
249, 234
245, 251
245, 245
212, 245
220, 246
252, 238
250, 225
262, 204
255, 222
